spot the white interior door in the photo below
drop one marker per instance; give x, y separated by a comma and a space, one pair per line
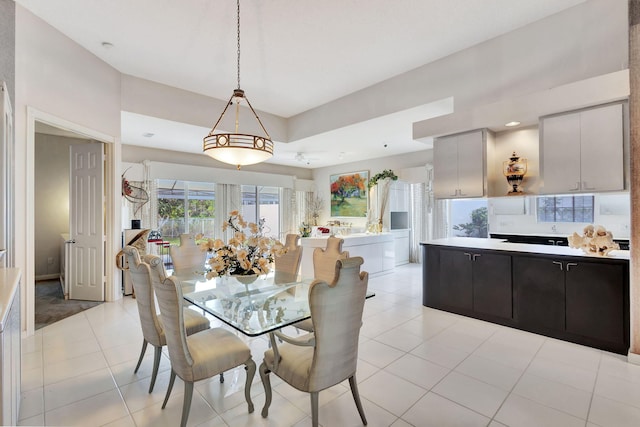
86, 222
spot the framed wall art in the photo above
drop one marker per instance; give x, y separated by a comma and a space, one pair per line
349, 194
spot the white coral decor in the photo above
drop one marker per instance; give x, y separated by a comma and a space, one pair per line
595, 240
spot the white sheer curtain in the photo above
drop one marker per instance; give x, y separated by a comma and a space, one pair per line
288, 217
422, 215
228, 198
420, 220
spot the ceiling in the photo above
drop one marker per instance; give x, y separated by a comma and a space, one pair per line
295, 56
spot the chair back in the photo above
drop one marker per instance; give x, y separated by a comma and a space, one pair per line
158, 272
336, 313
169, 295
141, 277
324, 260
287, 266
188, 258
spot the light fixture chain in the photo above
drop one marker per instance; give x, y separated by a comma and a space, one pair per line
238, 1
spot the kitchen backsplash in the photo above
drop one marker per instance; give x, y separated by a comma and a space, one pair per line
517, 215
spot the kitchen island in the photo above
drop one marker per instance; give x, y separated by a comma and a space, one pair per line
555, 291
377, 250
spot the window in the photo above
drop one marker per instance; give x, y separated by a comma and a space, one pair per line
469, 218
565, 209
262, 202
185, 207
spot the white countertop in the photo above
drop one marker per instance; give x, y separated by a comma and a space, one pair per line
501, 245
350, 239
9, 282
550, 235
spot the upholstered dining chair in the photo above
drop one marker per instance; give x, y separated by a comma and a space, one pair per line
201, 355
188, 258
328, 356
143, 276
287, 266
324, 268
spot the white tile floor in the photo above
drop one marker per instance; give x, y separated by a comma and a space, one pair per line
417, 367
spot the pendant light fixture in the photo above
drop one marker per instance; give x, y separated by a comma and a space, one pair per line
238, 148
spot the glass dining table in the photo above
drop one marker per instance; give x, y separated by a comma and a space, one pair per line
255, 308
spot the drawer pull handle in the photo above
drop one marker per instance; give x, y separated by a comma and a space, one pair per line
559, 263
571, 264
468, 255
475, 256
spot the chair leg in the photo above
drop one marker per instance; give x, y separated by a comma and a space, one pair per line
186, 405
144, 349
314, 408
157, 352
221, 377
356, 398
171, 381
266, 382
250, 367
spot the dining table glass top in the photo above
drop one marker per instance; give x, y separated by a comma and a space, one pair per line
254, 308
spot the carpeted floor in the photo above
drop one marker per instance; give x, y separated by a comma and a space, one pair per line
51, 305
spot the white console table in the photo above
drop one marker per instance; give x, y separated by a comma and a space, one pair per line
377, 250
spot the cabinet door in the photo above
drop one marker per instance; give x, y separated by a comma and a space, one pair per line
455, 288
445, 167
595, 301
401, 247
601, 143
492, 292
560, 154
471, 161
540, 294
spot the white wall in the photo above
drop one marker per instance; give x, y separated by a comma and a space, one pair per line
56, 78
411, 162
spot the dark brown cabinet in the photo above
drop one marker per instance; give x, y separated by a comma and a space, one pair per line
595, 301
575, 298
540, 293
470, 281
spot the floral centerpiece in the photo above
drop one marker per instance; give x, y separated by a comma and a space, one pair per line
247, 253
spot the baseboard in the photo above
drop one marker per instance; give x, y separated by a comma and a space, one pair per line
633, 358
48, 276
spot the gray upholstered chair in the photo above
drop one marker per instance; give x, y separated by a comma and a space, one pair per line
143, 276
324, 268
328, 356
287, 266
188, 258
201, 355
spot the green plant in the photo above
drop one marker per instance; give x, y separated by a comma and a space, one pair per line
387, 173
478, 226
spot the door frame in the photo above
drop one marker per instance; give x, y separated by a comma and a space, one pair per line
112, 214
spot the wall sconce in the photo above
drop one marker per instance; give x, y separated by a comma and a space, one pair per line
514, 169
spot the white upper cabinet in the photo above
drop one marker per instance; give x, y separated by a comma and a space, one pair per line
583, 151
459, 165
399, 196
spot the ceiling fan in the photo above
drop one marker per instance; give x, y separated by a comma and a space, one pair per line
305, 158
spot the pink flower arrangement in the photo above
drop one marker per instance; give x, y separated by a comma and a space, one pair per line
248, 251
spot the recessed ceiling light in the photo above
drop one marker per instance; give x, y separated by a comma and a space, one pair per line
512, 124
148, 134
107, 45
